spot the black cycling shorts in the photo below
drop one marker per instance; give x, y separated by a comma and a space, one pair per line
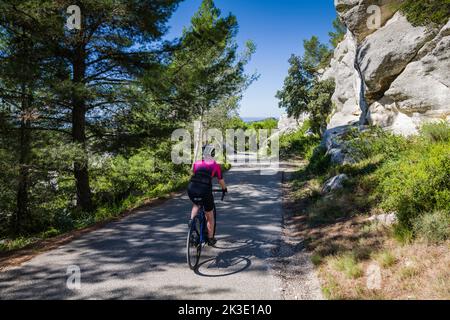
201, 195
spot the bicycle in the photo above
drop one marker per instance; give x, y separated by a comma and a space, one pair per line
198, 235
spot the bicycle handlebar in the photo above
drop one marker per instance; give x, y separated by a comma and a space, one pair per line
220, 190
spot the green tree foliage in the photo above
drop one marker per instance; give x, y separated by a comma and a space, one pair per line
206, 70
222, 114
86, 115
266, 124
426, 12
302, 92
26, 72
317, 55
205, 76
294, 95
100, 60
338, 34
320, 105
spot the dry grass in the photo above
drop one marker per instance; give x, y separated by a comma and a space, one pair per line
345, 249
413, 271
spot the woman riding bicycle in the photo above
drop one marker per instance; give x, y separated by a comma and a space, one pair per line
200, 189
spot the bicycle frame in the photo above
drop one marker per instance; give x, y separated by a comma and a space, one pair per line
203, 237
203, 223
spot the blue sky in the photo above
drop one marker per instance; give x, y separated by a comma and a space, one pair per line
278, 28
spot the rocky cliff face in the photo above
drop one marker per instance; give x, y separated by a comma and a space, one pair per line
288, 124
396, 76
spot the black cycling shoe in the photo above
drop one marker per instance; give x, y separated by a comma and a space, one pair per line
212, 242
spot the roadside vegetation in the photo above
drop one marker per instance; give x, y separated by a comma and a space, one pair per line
427, 12
299, 144
303, 91
406, 177
391, 209
86, 116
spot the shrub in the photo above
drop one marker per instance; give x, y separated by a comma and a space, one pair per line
18, 243
403, 234
426, 12
138, 175
298, 143
386, 259
376, 142
436, 132
434, 227
416, 183
348, 264
63, 221
319, 162
50, 233
316, 259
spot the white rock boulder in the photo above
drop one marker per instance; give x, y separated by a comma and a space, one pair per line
386, 53
346, 98
358, 14
335, 183
396, 76
385, 219
288, 124
424, 85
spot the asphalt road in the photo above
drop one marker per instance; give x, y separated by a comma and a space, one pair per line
143, 256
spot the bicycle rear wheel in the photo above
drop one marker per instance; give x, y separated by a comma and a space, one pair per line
193, 245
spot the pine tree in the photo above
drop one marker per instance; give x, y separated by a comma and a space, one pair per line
117, 42
206, 69
338, 34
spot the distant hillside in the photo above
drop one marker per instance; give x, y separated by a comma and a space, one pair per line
256, 119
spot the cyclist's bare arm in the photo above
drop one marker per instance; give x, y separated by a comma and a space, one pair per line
222, 184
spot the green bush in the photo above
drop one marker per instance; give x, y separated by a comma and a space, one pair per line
298, 143
426, 12
434, 227
403, 234
417, 182
139, 175
268, 124
436, 132
376, 142
319, 161
18, 243
348, 264
409, 176
50, 233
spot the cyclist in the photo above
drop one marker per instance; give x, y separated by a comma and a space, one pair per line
200, 188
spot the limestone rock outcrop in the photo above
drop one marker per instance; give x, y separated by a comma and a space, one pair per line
396, 76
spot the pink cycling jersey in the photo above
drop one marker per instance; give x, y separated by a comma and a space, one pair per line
211, 166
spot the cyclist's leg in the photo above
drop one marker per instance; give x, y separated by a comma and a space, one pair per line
210, 219
209, 212
194, 193
195, 209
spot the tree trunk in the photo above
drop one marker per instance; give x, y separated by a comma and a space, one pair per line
84, 196
24, 157
198, 142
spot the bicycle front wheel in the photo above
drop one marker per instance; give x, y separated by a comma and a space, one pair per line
193, 244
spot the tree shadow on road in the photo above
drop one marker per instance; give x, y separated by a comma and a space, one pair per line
125, 259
